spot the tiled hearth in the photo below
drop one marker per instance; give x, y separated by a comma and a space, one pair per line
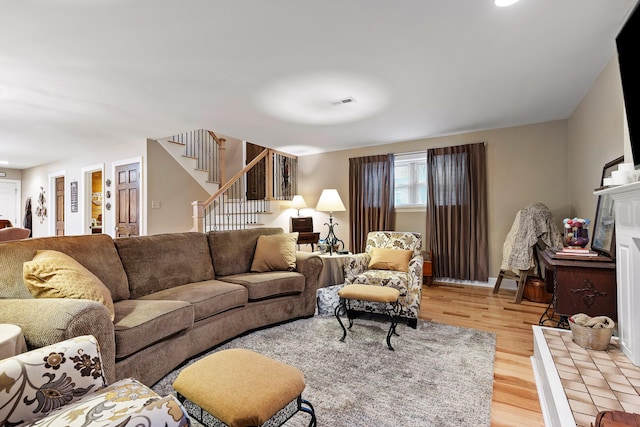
578, 383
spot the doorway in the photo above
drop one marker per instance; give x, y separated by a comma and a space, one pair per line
93, 200
59, 201
10, 201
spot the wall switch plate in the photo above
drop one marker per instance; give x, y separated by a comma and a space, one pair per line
156, 205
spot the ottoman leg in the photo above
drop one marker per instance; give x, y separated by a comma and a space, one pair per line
341, 305
309, 410
393, 314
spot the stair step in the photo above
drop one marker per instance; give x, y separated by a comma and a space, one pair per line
177, 142
190, 157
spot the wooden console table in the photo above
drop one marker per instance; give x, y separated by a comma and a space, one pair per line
581, 286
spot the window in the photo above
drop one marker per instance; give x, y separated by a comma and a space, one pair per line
410, 180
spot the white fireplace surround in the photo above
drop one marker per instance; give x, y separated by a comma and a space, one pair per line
627, 228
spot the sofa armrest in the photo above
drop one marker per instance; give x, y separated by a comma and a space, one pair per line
415, 272
46, 321
310, 266
354, 265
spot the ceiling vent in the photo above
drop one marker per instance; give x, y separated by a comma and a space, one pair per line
342, 101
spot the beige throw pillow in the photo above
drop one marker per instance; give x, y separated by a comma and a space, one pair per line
52, 274
275, 252
390, 259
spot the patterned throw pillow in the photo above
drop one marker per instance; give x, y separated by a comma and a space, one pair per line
390, 259
275, 252
53, 274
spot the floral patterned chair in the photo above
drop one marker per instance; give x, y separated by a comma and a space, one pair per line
358, 269
63, 385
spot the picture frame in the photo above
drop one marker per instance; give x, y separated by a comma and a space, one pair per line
604, 236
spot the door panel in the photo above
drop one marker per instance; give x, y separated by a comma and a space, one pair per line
60, 206
256, 182
127, 178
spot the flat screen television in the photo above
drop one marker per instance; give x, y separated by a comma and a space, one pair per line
627, 46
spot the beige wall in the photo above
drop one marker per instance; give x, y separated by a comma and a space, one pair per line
171, 189
597, 134
525, 164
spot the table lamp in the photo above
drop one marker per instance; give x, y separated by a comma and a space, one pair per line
331, 202
298, 203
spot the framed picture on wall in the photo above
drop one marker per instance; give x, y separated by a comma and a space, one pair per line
604, 237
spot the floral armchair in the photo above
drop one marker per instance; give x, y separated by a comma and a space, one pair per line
63, 385
357, 271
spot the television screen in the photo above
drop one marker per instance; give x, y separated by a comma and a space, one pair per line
627, 45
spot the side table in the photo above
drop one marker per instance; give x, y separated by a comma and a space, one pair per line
579, 286
11, 340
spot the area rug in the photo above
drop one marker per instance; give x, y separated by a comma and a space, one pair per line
438, 375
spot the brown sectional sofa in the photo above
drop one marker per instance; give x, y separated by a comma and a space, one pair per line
175, 296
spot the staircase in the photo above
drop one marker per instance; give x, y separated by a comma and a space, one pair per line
245, 199
200, 153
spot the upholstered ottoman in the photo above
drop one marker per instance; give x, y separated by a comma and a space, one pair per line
241, 388
371, 293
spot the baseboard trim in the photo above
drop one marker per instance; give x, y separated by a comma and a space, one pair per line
506, 283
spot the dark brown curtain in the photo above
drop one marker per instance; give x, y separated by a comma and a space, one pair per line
371, 198
457, 211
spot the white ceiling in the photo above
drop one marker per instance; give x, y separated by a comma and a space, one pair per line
81, 73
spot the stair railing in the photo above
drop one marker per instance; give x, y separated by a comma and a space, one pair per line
272, 175
208, 150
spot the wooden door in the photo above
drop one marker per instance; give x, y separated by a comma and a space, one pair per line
127, 189
256, 177
60, 206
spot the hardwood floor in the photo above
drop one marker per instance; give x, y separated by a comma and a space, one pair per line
515, 398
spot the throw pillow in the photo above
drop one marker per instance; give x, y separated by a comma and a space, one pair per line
53, 274
390, 259
275, 252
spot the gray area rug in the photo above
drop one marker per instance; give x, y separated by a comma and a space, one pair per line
438, 375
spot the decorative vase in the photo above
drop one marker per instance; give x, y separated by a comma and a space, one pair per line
576, 237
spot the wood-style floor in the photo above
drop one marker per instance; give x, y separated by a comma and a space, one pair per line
515, 398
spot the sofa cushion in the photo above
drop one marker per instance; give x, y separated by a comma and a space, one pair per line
162, 261
275, 253
140, 323
96, 252
268, 285
232, 250
52, 274
208, 298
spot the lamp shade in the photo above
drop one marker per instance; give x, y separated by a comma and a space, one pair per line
330, 201
298, 202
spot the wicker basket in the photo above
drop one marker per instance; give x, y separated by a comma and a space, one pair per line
591, 338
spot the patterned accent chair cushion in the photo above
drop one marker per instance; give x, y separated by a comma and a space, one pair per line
409, 283
63, 384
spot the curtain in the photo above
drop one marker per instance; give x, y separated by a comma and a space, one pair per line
457, 211
371, 198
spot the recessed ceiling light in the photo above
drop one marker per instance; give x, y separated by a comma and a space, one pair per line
4, 162
505, 3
